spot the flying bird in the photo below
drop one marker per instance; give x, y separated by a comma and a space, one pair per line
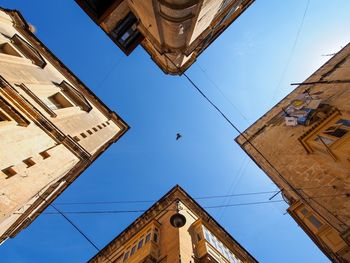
178, 136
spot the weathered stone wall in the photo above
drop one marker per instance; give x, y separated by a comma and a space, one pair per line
36, 158
320, 174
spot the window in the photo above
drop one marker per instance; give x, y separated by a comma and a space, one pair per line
9, 171
89, 132
57, 101
45, 154
315, 221
126, 33
7, 111
155, 237
332, 133
133, 250
104, 125
3, 117
76, 138
139, 245
29, 162
326, 135
94, 129
75, 96
126, 255
7, 49
83, 135
107, 122
99, 127
148, 237
309, 218
28, 51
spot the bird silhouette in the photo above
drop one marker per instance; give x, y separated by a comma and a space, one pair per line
178, 136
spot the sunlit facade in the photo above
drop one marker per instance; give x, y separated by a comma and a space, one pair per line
173, 32
306, 138
152, 237
52, 127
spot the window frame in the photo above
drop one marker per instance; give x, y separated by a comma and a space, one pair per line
317, 131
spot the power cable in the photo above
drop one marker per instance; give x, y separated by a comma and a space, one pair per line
144, 210
76, 227
286, 182
292, 50
221, 92
196, 198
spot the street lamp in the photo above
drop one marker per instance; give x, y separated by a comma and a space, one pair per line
177, 220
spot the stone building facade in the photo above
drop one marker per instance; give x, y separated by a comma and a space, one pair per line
52, 127
152, 237
173, 32
304, 145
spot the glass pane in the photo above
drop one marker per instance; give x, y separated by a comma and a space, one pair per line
148, 237
344, 122
337, 132
315, 221
325, 140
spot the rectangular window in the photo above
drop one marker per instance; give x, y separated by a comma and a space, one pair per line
133, 250
9, 172
126, 33
29, 162
315, 221
3, 117
44, 154
7, 49
99, 127
139, 245
89, 132
94, 129
57, 101
126, 255
155, 237
83, 135
148, 237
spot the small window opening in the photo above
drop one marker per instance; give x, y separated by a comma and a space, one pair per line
126, 255
155, 237
107, 122
148, 237
104, 125
76, 138
133, 250
58, 101
83, 135
89, 132
139, 245
9, 171
3, 117
29, 162
94, 129
7, 49
44, 154
99, 127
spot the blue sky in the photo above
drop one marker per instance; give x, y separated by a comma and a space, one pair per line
246, 63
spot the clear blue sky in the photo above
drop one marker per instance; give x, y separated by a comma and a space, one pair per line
246, 62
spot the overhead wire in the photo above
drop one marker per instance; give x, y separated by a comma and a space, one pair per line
247, 140
289, 59
196, 198
144, 210
58, 211
221, 92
